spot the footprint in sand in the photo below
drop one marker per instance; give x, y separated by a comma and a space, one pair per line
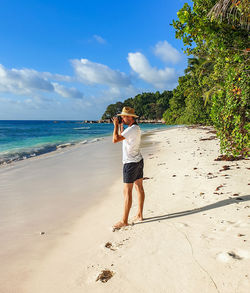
223, 257
240, 224
183, 225
120, 244
232, 255
125, 228
203, 236
115, 246
231, 225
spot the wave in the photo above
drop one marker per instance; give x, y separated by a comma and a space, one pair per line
81, 128
64, 145
19, 155
9, 157
97, 139
47, 144
83, 142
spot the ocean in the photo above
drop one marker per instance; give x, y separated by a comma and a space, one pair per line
22, 139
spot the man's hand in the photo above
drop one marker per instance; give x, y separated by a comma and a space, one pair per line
115, 121
121, 128
116, 136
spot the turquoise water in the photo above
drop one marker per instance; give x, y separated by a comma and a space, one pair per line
21, 139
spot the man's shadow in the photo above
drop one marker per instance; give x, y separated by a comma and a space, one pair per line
218, 204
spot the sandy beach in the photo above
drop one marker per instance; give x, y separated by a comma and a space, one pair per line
194, 238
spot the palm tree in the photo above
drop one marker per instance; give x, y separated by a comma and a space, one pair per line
192, 65
234, 11
200, 68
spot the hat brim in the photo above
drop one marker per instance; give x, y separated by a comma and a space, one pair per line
127, 114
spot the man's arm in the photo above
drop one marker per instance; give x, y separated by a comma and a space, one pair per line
116, 136
121, 128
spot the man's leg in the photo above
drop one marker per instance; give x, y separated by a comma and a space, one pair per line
141, 197
127, 192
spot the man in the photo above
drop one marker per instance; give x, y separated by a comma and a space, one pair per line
132, 162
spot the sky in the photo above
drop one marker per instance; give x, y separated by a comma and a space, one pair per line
68, 60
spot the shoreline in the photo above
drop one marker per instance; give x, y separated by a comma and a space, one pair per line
46, 217
193, 213
37, 152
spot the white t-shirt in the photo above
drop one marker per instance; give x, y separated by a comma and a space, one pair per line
131, 144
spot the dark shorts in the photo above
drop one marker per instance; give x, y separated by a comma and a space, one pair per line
132, 171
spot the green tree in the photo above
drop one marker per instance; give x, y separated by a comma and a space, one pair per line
221, 49
147, 105
112, 110
129, 103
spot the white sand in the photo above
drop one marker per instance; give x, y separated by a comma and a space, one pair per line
47, 194
192, 240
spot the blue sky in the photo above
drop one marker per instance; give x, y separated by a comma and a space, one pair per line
70, 59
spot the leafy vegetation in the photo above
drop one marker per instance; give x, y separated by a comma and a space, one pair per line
147, 105
216, 34
215, 88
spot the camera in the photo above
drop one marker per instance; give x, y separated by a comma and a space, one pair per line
119, 119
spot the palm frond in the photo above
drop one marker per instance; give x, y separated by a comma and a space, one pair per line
206, 65
213, 90
233, 11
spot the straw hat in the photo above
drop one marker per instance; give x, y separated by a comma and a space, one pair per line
127, 111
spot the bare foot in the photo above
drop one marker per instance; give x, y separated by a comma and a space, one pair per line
138, 219
119, 225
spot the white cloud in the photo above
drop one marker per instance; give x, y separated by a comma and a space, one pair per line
95, 73
99, 39
167, 52
67, 92
160, 78
22, 81
115, 94
19, 103
29, 82
57, 77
